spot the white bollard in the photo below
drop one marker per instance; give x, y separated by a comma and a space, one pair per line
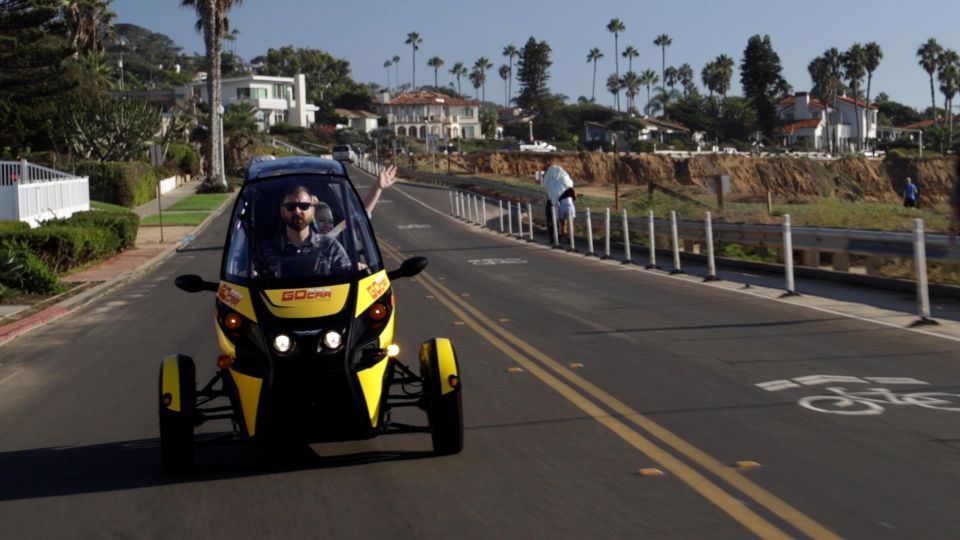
459, 205
476, 209
519, 220
553, 225
628, 259
509, 218
570, 232
676, 243
606, 234
711, 262
453, 210
788, 255
469, 208
500, 205
483, 208
653, 244
590, 252
530, 219
920, 262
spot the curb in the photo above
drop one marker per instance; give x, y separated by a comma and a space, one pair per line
17, 328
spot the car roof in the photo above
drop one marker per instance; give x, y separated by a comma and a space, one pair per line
295, 165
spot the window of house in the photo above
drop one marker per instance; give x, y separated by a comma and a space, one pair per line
281, 91
467, 112
251, 93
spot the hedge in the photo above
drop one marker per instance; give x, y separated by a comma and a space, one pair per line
185, 157
63, 247
125, 183
123, 224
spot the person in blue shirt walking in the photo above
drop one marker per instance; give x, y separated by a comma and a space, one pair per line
910, 194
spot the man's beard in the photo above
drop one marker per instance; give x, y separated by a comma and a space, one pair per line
297, 223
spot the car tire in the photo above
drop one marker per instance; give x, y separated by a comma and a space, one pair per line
176, 427
444, 410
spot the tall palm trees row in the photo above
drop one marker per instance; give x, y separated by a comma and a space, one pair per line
477, 76
945, 63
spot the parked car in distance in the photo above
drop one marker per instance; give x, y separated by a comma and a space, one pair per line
344, 152
729, 150
537, 146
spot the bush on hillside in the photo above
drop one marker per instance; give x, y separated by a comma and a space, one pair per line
123, 224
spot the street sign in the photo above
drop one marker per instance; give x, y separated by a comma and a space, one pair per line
156, 155
432, 139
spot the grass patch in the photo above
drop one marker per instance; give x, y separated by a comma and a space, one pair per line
195, 203
176, 218
100, 205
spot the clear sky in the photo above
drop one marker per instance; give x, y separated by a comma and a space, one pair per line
369, 32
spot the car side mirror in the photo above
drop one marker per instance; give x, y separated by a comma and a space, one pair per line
193, 283
408, 268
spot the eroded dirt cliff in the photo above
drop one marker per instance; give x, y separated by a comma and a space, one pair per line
854, 178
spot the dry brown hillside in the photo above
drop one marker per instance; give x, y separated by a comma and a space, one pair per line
854, 178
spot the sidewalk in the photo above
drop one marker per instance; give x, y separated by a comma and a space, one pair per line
154, 245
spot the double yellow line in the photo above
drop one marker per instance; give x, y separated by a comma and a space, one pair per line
576, 389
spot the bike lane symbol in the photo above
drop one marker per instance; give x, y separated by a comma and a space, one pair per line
866, 402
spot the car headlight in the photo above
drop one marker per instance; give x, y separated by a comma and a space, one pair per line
332, 339
282, 343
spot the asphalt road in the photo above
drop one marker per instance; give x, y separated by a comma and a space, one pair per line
600, 401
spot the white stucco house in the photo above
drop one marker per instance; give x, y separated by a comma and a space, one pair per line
806, 122
363, 121
416, 114
275, 99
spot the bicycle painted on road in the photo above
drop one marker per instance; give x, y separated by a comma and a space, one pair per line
871, 401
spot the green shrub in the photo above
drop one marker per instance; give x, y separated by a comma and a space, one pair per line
123, 224
125, 183
63, 247
32, 275
13, 226
185, 157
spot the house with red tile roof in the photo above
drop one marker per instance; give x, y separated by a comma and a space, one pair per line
806, 121
416, 114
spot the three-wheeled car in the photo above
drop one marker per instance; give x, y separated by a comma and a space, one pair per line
305, 315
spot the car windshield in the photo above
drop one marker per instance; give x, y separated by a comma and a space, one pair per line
301, 228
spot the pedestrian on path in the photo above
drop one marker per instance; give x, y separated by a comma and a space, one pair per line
910, 194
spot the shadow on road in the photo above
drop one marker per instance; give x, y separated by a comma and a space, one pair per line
47, 472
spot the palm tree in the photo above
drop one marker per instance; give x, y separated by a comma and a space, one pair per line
387, 65
929, 52
948, 72
457, 71
853, 65
724, 66
648, 78
826, 74
708, 75
614, 84
436, 63
615, 27
504, 72
478, 78
213, 23
632, 83
593, 56
686, 78
871, 61
396, 68
414, 40
630, 53
482, 65
88, 22
510, 51
663, 41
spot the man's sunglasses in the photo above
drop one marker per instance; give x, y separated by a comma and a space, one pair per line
291, 206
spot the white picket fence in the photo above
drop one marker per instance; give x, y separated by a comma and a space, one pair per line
33, 194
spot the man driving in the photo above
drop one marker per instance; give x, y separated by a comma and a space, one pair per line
303, 243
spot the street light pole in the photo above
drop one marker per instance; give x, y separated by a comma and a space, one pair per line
223, 164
